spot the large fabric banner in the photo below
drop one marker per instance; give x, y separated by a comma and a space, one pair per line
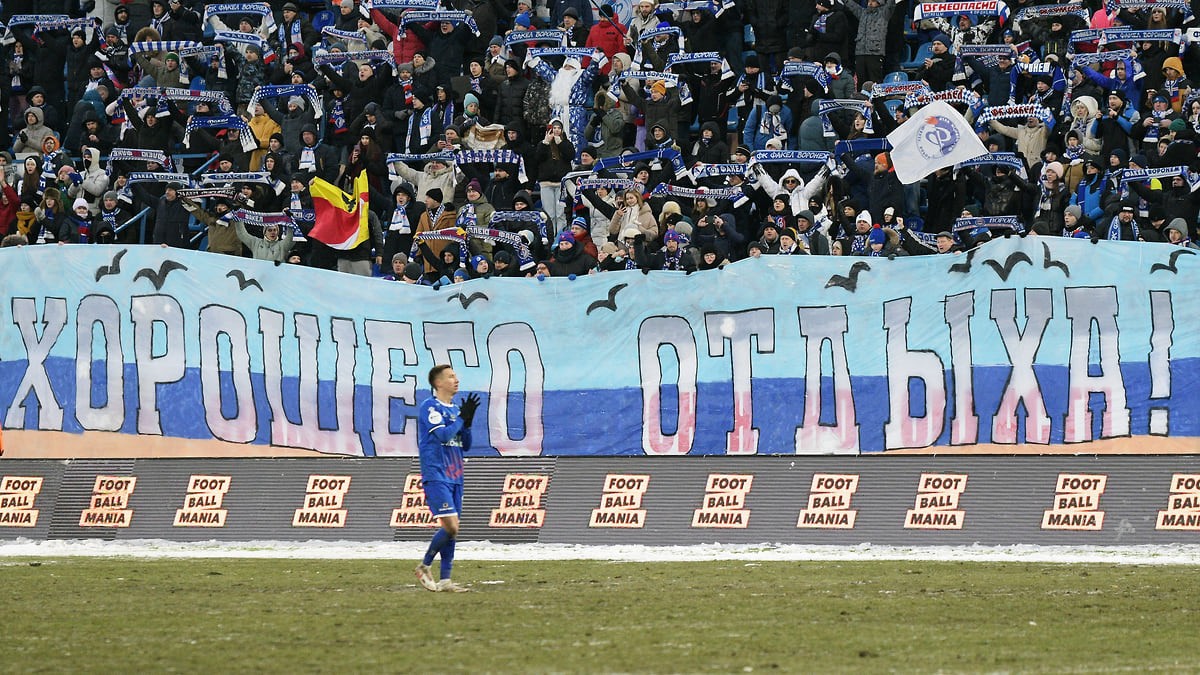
1024, 345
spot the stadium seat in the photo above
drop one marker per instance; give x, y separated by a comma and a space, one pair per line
898, 76
892, 105
322, 19
923, 52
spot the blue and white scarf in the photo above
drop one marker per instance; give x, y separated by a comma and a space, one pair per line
537, 217
990, 222
492, 157
1008, 159
332, 58
803, 69
663, 189
556, 36
700, 170
260, 9
343, 35
238, 177
669, 154
524, 257
139, 155
791, 156
237, 37
282, 90
828, 106
228, 121
701, 57
441, 16
399, 222
160, 177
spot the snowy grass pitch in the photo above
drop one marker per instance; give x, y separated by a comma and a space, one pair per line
266, 607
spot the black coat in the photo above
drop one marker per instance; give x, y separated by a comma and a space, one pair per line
510, 101
171, 224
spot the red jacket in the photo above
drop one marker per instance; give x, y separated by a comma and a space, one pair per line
608, 39
403, 47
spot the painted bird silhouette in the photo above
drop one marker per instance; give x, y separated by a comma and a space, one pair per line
465, 300
1010, 262
160, 277
243, 282
112, 268
849, 283
1047, 262
610, 303
1174, 258
965, 268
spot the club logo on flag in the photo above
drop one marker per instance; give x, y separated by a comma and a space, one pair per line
938, 138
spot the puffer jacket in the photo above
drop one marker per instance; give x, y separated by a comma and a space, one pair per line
95, 178
872, 26
770, 21
510, 101
664, 111
426, 180
31, 137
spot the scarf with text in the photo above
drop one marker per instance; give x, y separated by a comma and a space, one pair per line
139, 155
159, 177
669, 154
989, 222
523, 36
260, 9
372, 55
237, 37
282, 90
531, 216
524, 257
227, 121
827, 106
440, 16
804, 69
700, 57
1008, 159
492, 157
1069, 9
1008, 112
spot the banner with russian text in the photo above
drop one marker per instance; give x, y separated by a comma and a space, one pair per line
1026, 345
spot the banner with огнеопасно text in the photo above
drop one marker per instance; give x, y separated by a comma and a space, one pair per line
1058, 345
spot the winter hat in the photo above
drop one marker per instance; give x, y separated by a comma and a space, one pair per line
571, 12
1140, 160
504, 257
1075, 211
659, 87
523, 196
629, 233
877, 235
469, 99
942, 38
435, 194
863, 216
111, 194
474, 185
347, 4
171, 56
743, 150
565, 235
522, 20
462, 274
256, 50
672, 235
751, 61
291, 6
1177, 125
1056, 167
607, 10
79, 202
496, 40
412, 271
475, 260
580, 223
806, 215
790, 233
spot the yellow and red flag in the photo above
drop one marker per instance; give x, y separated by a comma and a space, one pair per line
341, 218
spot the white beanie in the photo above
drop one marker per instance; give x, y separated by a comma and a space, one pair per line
80, 202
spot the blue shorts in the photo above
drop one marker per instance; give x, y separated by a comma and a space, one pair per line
443, 499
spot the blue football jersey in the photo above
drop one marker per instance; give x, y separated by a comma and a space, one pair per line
441, 439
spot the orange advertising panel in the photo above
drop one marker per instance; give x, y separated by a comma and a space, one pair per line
620, 503
829, 502
323, 502
109, 502
1183, 505
202, 503
724, 499
17, 497
936, 506
413, 511
521, 501
1076, 503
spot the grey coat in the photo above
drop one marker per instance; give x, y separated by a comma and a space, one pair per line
872, 26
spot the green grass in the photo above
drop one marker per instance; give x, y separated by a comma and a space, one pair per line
239, 615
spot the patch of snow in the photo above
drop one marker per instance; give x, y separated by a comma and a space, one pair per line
475, 550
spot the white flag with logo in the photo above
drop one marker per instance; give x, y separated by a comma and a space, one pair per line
936, 136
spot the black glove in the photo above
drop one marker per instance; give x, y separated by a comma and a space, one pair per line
467, 409
23, 136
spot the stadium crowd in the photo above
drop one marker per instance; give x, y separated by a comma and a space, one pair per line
530, 137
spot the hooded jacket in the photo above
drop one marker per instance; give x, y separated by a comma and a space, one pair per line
31, 137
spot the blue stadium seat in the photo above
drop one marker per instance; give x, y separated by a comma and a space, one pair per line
923, 52
892, 106
731, 124
898, 76
322, 19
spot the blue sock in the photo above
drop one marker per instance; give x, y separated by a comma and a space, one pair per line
439, 541
447, 559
